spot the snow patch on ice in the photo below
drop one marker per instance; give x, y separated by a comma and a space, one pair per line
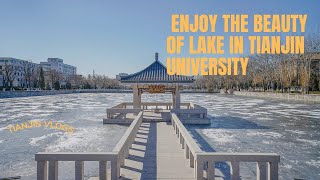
82, 137
311, 142
4, 128
266, 142
264, 118
34, 141
287, 166
219, 135
268, 134
296, 132
314, 163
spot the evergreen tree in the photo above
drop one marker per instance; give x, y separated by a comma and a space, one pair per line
56, 85
41, 79
48, 86
68, 85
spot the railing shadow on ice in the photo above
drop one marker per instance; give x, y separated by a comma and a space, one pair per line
221, 122
47, 163
204, 163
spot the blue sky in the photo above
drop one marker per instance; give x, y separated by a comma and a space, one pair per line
111, 37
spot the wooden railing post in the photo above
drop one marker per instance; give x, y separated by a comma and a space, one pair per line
42, 170
183, 142
191, 160
121, 158
199, 169
79, 170
261, 171
273, 171
115, 170
127, 150
103, 170
53, 170
211, 170
235, 170
187, 152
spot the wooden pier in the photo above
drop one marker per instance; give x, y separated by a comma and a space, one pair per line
156, 154
124, 113
157, 145
158, 150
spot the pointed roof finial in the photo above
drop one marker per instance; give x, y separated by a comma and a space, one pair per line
157, 56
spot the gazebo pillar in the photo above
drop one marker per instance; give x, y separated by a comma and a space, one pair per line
136, 97
173, 100
178, 101
176, 98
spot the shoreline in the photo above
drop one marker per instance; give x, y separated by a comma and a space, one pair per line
17, 94
284, 96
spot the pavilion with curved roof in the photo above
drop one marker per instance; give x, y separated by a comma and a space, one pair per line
155, 79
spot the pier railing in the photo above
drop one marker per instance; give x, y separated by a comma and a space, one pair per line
123, 146
121, 108
47, 162
187, 142
187, 109
267, 163
193, 109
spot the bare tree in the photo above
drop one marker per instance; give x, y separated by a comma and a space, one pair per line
282, 72
10, 74
77, 81
28, 72
312, 47
35, 77
54, 76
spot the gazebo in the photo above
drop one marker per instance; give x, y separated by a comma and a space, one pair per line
154, 79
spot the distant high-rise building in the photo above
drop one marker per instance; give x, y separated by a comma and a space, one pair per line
58, 65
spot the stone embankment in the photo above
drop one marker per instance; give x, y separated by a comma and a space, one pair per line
14, 94
286, 96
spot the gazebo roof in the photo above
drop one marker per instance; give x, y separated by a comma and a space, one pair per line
155, 73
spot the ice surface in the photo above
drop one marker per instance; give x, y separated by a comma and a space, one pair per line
239, 124
247, 124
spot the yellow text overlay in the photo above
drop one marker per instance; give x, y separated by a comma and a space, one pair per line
45, 124
207, 66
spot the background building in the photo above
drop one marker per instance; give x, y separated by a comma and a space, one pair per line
56, 71
119, 76
16, 72
58, 65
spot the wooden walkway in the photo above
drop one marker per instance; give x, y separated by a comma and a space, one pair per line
156, 154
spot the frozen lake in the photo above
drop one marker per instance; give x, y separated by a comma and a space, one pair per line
239, 124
